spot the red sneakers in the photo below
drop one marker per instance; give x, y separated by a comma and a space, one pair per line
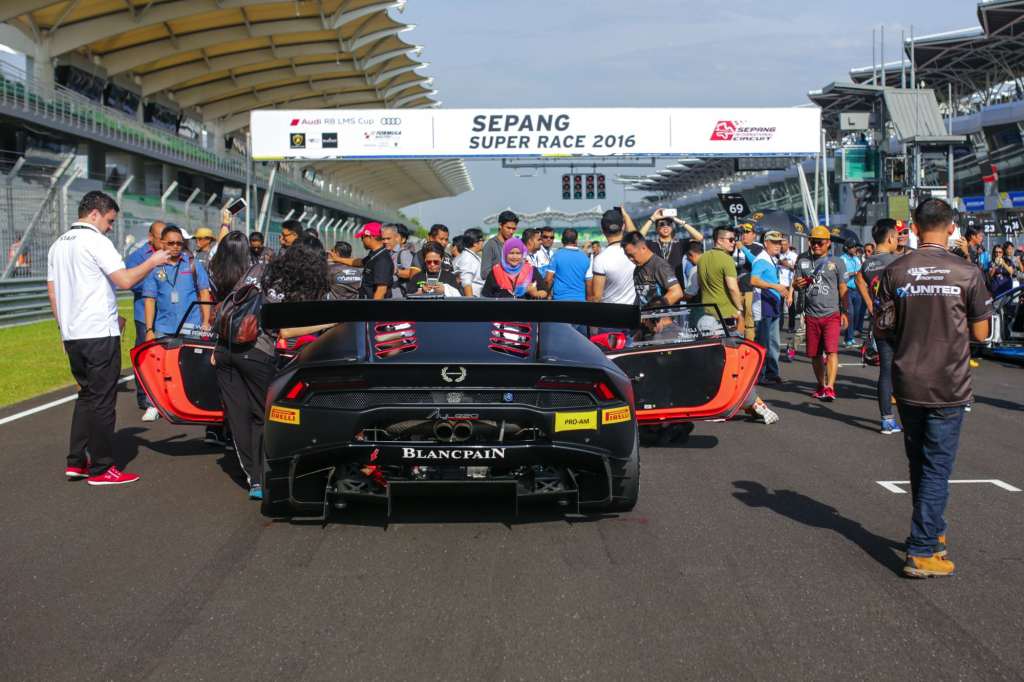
77, 473
820, 393
113, 476
829, 394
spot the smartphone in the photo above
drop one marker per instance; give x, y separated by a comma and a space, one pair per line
669, 213
432, 281
236, 206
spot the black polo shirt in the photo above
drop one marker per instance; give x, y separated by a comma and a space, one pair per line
377, 269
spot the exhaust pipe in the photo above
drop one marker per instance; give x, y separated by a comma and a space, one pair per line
444, 432
462, 431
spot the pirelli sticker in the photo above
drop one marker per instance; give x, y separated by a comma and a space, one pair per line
576, 421
284, 415
615, 415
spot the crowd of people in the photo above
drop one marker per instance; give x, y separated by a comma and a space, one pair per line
758, 285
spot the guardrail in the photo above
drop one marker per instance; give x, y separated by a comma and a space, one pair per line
23, 300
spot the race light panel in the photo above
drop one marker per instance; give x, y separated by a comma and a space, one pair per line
566, 187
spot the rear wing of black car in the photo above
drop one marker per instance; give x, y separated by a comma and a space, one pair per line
311, 313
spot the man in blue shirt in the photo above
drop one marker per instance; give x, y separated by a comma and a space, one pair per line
568, 274
764, 276
170, 290
135, 258
856, 305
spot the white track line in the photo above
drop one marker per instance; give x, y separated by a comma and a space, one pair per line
894, 486
54, 403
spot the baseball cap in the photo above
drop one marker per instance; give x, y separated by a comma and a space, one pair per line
507, 217
747, 227
820, 232
773, 236
203, 232
902, 226
369, 230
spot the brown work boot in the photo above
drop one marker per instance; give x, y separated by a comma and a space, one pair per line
932, 566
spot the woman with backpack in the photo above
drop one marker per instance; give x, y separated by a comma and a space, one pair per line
244, 359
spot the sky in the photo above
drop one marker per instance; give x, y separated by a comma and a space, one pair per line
642, 53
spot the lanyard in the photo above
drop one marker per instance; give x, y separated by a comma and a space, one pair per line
177, 272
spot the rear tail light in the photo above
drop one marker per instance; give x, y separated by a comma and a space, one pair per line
601, 390
604, 391
511, 338
296, 391
393, 338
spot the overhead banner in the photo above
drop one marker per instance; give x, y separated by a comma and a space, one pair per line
323, 134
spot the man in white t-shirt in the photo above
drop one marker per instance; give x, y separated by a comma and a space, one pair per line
613, 271
83, 270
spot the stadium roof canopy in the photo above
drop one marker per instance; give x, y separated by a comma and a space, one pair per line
220, 59
550, 216
685, 176
971, 60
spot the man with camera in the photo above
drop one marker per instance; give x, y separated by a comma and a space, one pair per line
822, 278
932, 322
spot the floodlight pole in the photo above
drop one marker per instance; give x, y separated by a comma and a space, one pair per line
248, 180
824, 174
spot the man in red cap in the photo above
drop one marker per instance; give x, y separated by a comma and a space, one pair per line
378, 270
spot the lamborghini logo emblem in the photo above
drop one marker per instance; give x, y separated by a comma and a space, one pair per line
456, 376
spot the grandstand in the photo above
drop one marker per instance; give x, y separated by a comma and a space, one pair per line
973, 78
150, 99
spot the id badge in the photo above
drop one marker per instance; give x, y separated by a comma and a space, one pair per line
175, 298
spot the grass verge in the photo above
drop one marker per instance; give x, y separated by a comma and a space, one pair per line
33, 361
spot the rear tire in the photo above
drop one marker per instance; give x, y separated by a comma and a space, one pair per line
625, 483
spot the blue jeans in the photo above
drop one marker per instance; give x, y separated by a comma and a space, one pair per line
856, 312
886, 353
141, 399
931, 436
767, 335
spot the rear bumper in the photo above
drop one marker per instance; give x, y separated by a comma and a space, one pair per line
310, 481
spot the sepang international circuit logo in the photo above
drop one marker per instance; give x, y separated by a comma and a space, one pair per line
724, 130
741, 131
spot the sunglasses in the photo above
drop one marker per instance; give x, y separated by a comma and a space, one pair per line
179, 243
819, 242
728, 239
433, 262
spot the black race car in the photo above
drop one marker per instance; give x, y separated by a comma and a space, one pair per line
445, 397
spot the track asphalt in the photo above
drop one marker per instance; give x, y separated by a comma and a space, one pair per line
755, 552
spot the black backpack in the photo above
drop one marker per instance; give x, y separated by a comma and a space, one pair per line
237, 318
